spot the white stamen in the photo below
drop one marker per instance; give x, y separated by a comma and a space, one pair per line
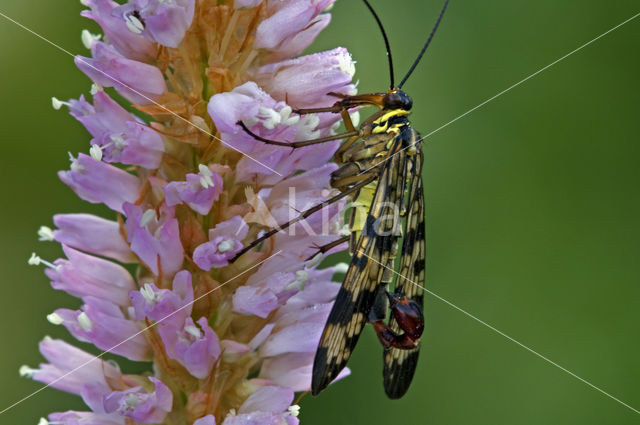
285, 112
117, 140
204, 170
205, 176
294, 410
340, 268
148, 294
45, 234
57, 103
134, 24
96, 152
84, 2
225, 246
88, 38
27, 372
75, 166
270, 117
193, 331
132, 400
346, 64
84, 321
34, 260
315, 261
95, 89
44, 421
286, 118
147, 217
302, 276
307, 125
55, 319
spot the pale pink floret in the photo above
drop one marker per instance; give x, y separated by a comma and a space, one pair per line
155, 239
268, 405
103, 324
141, 405
199, 191
92, 234
71, 417
274, 120
164, 22
82, 275
136, 81
194, 347
70, 369
128, 43
224, 242
169, 306
97, 182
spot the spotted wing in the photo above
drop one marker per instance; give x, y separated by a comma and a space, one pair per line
400, 365
376, 245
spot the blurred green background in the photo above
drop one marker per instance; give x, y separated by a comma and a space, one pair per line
532, 207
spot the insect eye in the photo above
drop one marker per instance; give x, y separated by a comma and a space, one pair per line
397, 100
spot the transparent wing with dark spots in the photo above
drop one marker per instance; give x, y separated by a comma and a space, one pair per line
357, 294
400, 365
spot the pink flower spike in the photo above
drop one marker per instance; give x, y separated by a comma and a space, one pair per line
234, 341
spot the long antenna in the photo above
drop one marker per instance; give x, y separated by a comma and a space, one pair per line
386, 41
424, 48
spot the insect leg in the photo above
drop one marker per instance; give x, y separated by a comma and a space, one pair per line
305, 214
295, 145
348, 102
324, 248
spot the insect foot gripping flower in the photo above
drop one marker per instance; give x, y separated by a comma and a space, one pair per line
229, 342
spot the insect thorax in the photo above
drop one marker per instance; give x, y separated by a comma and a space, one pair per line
365, 153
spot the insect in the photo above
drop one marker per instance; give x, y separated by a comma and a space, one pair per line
381, 173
